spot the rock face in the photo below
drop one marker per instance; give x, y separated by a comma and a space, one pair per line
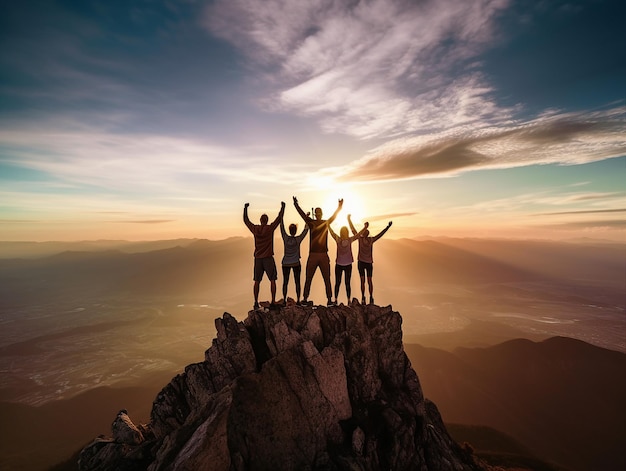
299, 388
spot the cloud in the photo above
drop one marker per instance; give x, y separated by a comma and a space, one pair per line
592, 211
146, 221
369, 69
179, 168
567, 139
593, 225
19, 221
384, 217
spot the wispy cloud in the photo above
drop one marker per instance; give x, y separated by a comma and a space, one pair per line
369, 69
383, 217
592, 225
145, 221
172, 166
592, 211
567, 139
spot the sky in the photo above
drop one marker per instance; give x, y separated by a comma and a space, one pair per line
159, 119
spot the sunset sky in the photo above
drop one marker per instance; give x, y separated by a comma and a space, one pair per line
142, 119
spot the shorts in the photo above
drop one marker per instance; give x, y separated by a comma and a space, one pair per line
366, 267
265, 265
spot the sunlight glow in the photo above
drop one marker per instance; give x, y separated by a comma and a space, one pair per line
354, 204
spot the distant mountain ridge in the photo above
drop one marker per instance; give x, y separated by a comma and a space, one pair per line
193, 265
562, 397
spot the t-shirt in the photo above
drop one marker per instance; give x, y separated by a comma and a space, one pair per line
292, 246
263, 236
319, 235
263, 240
344, 250
366, 244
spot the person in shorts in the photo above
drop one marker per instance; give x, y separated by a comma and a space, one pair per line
365, 259
264, 250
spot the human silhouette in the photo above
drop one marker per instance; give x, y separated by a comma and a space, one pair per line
318, 248
264, 250
291, 257
343, 262
365, 259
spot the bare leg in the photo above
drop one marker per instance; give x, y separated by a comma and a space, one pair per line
370, 283
273, 290
255, 290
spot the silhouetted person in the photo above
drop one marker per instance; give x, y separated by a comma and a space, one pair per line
318, 248
291, 258
264, 250
366, 260
343, 263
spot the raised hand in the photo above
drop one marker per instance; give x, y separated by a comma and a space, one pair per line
390, 223
341, 202
282, 204
367, 224
246, 205
295, 200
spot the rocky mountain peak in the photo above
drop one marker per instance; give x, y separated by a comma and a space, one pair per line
291, 389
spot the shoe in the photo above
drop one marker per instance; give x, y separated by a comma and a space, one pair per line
363, 300
331, 303
256, 306
371, 300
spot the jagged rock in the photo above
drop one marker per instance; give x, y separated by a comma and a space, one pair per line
124, 431
289, 389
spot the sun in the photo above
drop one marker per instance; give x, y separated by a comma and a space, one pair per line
353, 204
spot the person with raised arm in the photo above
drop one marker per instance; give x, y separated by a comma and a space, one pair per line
343, 262
318, 248
291, 257
264, 250
365, 258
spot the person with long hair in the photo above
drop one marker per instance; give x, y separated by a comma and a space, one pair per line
365, 262
344, 260
291, 257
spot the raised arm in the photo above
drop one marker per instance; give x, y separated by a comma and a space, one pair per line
246, 219
339, 206
358, 234
303, 234
382, 233
332, 233
299, 209
281, 213
352, 228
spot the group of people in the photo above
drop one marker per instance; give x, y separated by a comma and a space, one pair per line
318, 253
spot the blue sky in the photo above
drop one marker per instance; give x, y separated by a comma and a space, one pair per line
159, 119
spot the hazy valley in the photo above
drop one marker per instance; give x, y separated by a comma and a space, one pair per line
129, 315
